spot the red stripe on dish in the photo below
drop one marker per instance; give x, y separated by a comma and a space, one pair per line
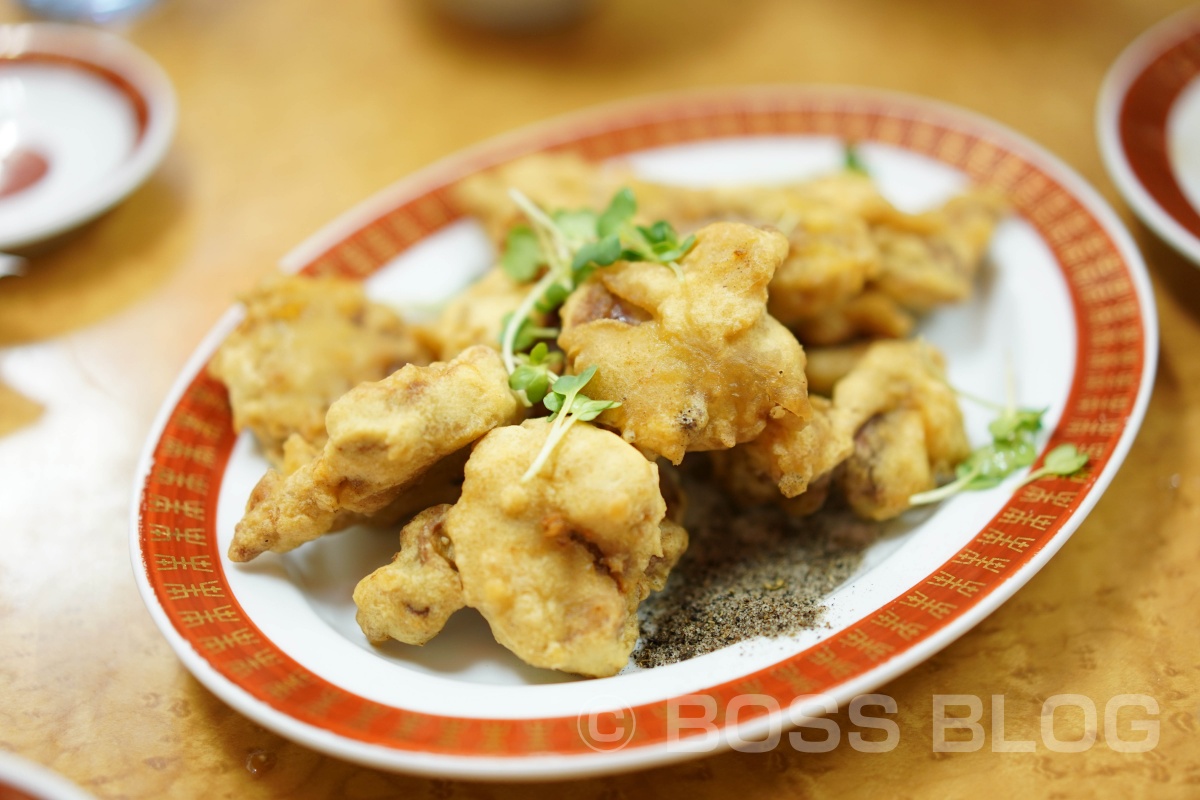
1142, 123
179, 547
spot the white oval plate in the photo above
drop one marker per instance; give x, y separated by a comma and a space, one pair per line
1148, 123
84, 118
1068, 298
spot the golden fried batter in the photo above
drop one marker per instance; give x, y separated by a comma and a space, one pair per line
551, 180
890, 464
697, 362
411, 598
557, 565
863, 441
870, 313
303, 343
788, 456
909, 375
383, 437
476, 315
827, 365
931, 259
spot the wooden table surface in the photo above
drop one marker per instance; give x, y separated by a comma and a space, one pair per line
291, 111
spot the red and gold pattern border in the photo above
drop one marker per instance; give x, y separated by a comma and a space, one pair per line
1142, 124
177, 519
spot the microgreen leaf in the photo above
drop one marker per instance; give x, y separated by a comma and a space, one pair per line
556, 294
573, 383
620, 210
579, 225
586, 409
522, 254
527, 334
1013, 447
853, 162
1063, 460
677, 251
601, 253
658, 233
534, 381
1015, 420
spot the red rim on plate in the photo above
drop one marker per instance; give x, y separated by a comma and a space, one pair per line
174, 538
1132, 119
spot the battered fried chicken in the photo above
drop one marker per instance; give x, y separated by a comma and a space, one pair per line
931, 259
890, 464
476, 315
303, 343
893, 424
558, 564
382, 438
910, 375
696, 361
788, 457
411, 598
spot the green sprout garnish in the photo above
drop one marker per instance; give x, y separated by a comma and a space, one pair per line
1063, 460
1013, 446
568, 406
565, 247
535, 374
852, 161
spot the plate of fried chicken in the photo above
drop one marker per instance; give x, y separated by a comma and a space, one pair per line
521, 465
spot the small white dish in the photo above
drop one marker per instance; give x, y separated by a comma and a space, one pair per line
84, 118
25, 780
1148, 123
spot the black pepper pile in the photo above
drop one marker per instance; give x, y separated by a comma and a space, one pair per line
747, 573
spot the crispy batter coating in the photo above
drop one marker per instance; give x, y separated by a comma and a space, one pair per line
558, 564
476, 315
910, 375
697, 363
828, 365
931, 259
870, 313
890, 463
788, 457
383, 437
552, 180
411, 598
863, 441
303, 343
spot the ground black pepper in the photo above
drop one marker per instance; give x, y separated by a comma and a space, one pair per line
747, 573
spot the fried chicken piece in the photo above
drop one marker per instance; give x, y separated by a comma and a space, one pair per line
931, 259
558, 564
697, 363
868, 314
788, 457
828, 365
411, 598
831, 254
476, 315
553, 181
863, 441
890, 464
910, 375
383, 437
303, 343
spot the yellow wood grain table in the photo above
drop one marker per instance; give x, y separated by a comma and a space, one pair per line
291, 111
